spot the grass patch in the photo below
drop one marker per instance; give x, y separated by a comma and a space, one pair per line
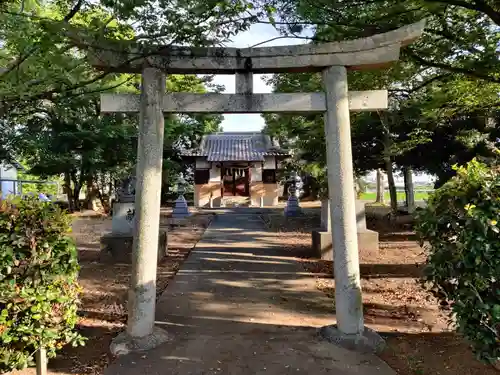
371, 196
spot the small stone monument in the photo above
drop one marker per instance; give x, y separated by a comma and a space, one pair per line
292, 205
181, 209
322, 238
117, 245
124, 208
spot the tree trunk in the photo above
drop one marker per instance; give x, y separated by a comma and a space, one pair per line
409, 189
392, 185
92, 199
380, 187
77, 186
69, 192
76, 197
387, 142
72, 190
103, 195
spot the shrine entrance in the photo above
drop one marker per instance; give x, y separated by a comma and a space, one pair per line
333, 60
236, 180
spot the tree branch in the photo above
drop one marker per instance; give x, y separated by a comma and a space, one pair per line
478, 6
450, 68
422, 85
76, 8
489, 11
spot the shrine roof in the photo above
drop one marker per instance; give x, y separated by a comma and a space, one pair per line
236, 147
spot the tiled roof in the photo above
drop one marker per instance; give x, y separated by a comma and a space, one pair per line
236, 147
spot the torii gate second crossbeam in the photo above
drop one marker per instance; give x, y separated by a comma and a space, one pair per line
332, 59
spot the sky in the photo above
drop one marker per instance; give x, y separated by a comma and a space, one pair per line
256, 34
254, 122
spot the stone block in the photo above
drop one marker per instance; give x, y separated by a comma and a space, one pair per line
326, 219
322, 243
117, 248
325, 215
181, 209
367, 342
123, 221
292, 206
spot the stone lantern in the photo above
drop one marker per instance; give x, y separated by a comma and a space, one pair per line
181, 209
294, 190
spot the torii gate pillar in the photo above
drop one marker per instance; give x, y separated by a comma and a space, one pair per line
342, 207
349, 330
332, 59
141, 333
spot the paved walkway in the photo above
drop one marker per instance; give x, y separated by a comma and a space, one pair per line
240, 306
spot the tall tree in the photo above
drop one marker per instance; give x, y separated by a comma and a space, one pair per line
462, 36
70, 137
44, 44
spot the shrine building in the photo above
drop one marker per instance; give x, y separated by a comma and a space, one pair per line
236, 168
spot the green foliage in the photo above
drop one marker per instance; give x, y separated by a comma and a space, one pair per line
44, 45
461, 226
461, 37
38, 287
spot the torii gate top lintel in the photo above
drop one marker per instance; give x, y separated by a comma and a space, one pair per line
364, 53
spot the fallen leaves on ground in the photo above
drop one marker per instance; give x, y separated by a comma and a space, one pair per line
419, 338
105, 290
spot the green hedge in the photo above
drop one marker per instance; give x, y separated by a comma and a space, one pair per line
462, 226
38, 282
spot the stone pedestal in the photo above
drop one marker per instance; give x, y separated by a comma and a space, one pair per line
292, 206
322, 239
323, 248
326, 223
123, 221
117, 247
181, 209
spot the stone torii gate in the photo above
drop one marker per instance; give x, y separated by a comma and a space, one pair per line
333, 60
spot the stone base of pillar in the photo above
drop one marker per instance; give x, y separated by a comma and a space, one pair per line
181, 209
117, 248
322, 243
292, 206
368, 342
124, 344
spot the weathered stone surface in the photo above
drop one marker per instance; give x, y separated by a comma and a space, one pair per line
322, 243
360, 53
369, 341
244, 83
124, 344
142, 292
180, 102
181, 209
360, 215
326, 222
123, 221
348, 299
117, 248
292, 206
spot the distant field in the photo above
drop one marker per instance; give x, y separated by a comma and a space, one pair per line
419, 196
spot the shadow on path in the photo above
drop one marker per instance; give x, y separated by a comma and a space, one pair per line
239, 306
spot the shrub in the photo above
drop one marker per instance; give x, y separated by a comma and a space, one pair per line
461, 225
38, 288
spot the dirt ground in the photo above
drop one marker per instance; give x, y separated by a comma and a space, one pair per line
105, 285
419, 339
